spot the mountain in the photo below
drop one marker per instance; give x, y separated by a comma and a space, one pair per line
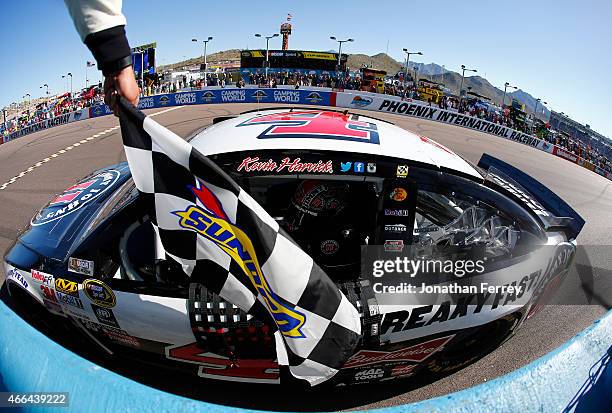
379, 61
428, 69
530, 102
450, 79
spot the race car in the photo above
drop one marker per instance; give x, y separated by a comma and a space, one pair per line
338, 183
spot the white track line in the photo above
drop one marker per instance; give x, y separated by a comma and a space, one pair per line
74, 145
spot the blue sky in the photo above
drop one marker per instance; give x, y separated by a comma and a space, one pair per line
556, 50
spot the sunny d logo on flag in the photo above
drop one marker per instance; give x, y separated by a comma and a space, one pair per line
215, 226
222, 238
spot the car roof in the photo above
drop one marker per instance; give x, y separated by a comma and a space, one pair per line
324, 130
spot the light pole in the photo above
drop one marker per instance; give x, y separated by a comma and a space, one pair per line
340, 49
463, 70
416, 77
70, 74
408, 62
267, 49
205, 63
47, 86
28, 96
88, 65
506, 85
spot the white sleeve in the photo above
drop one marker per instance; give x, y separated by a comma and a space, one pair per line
92, 16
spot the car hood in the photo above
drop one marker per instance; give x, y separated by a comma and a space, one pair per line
60, 223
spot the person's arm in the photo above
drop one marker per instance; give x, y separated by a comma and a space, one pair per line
101, 26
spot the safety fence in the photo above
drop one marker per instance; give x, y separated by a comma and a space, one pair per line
323, 97
575, 377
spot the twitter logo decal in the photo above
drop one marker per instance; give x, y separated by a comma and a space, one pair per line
345, 166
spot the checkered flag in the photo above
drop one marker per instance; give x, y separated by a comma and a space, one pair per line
224, 239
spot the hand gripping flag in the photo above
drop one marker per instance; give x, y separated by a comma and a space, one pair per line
226, 240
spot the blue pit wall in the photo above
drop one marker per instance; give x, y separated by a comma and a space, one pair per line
575, 377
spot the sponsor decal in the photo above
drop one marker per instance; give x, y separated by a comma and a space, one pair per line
120, 337
259, 95
394, 245
314, 125
398, 194
464, 305
69, 300
416, 353
97, 110
314, 97
403, 370
395, 228
358, 167
112, 333
164, 100
212, 223
49, 293
402, 171
67, 287
397, 212
80, 266
15, 275
42, 278
292, 96
369, 374
105, 315
185, 98
77, 115
371, 168
208, 96
99, 293
329, 246
211, 365
285, 165
233, 95
361, 101
345, 166
76, 197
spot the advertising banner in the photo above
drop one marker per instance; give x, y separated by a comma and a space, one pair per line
229, 95
49, 123
562, 153
546, 147
390, 104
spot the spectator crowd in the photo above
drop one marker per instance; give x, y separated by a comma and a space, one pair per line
31, 113
35, 111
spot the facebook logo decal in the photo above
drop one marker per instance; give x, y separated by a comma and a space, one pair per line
358, 167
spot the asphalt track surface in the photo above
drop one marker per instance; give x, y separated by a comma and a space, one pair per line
589, 193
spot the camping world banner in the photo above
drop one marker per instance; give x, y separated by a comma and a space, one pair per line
223, 239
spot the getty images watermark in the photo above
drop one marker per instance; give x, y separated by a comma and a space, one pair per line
480, 276
401, 267
423, 267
